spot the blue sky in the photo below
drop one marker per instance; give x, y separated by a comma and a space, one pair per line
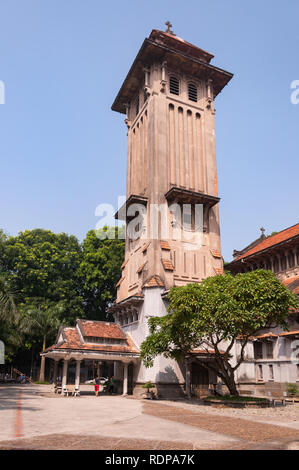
62, 149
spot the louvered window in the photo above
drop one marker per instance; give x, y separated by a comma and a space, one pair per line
174, 85
192, 92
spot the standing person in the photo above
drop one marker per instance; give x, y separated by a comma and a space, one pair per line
111, 385
96, 386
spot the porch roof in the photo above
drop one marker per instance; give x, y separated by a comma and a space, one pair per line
70, 340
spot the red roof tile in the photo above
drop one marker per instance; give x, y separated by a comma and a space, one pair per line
154, 281
219, 271
204, 351
124, 263
100, 329
216, 253
266, 335
290, 333
165, 245
272, 241
72, 342
167, 264
292, 284
145, 247
120, 281
141, 268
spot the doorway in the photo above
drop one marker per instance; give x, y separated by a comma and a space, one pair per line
130, 379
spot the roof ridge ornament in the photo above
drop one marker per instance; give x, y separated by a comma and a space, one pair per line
168, 30
263, 232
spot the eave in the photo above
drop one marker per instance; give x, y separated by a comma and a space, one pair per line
152, 51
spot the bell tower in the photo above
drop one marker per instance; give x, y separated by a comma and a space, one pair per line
171, 210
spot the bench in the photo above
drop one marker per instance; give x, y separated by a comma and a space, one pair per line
57, 388
71, 389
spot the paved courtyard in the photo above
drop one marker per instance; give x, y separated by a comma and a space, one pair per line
32, 417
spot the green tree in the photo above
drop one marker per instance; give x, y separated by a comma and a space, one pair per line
213, 315
8, 310
9, 317
42, 322
100, 269
43, 268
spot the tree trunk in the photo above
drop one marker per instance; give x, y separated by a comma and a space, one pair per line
42, 364
229, 380
188, 378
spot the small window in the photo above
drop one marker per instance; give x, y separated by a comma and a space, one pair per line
269, 350
192, 92
137, 105
271, 372
260, 372
258, 350
174, 85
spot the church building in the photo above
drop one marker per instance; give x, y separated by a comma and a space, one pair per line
272, 356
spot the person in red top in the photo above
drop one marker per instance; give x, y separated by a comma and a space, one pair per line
96, 386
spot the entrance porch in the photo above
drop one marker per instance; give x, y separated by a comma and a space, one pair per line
77, 369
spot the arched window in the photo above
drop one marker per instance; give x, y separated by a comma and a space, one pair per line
137, 105
192, 92
174, 85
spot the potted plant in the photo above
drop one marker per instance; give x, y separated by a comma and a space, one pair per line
149, 393
292, 389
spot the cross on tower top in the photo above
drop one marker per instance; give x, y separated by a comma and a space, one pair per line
169, 25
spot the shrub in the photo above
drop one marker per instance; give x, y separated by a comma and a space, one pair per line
292, 389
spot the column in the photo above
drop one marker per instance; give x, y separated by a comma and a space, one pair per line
295, 257
272, 264
77, 380
64, 373
286, 254
55, 371
279, 263
125, 382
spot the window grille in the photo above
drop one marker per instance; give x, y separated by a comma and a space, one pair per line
174, 85
192, 92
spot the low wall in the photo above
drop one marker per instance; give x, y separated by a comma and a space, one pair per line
276, 389
165, 390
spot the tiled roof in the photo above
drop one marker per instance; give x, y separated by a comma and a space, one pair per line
290, 333
292, 284
266, 335
145, 247
72, 342
216, 253
141, 268
100, 329
165, 245
204, 351
154, 281
272, 241
124, 263
218, 271
120, 281
167, 264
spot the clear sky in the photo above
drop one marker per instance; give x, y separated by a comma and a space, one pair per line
63, 151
